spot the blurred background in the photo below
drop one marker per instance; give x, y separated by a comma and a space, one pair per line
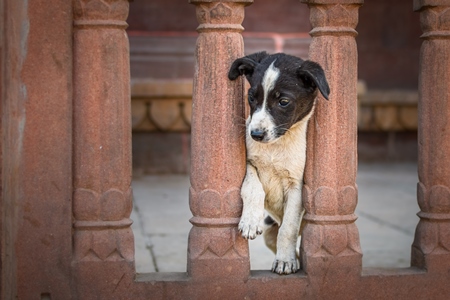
162, 44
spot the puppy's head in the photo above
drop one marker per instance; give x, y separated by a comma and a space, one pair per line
282, 91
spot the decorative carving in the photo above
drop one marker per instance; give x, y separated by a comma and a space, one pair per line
220, 12
213, 204
220, 15
434, 228
112, 205
439, 199
334, 19
109, 244
215, 243
100, 10
434, 22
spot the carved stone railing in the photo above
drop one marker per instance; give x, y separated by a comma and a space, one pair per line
431, 247
165, 106
330, 241
161, 105
102, 142
388, 110
38, 177
215, 249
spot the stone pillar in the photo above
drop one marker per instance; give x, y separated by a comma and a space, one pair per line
103, 240
215, 248
36, 153
330, 241
431, 247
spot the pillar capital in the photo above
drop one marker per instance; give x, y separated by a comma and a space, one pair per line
245, 2
226, 15
332, 17
94, 13
435, 19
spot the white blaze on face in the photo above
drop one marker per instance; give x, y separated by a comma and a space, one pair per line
261, 120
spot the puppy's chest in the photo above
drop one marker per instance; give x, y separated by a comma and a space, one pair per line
278, 173
282, 161
270, 164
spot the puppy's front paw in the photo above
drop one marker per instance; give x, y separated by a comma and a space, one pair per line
285, 267
251, 225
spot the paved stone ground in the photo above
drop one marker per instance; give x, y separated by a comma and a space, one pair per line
386, 219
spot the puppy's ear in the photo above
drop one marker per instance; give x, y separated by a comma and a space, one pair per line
313, 76
246, 65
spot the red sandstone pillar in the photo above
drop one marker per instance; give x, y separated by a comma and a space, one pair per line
330, 244
103, 240
218, 152
431, 247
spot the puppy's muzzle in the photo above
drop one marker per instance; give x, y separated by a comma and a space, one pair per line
258, 134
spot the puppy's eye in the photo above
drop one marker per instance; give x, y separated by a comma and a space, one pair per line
283, 102
251, 99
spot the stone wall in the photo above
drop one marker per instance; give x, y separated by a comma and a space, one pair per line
388, 40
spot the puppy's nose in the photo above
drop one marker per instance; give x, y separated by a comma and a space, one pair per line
257, 135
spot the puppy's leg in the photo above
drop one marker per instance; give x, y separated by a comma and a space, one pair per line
285, 259
252, 194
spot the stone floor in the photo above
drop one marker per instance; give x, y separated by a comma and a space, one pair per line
386, 219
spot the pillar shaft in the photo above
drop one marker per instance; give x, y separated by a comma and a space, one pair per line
218, 149
330, 241
431, 247
102, 145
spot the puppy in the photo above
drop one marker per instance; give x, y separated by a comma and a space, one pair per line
282, 95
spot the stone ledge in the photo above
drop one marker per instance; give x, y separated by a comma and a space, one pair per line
161, 88
166, 105
388, 110
161, 105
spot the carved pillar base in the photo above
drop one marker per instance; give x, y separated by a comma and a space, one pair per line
217, 251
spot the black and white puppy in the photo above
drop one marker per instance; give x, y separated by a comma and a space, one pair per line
282, 95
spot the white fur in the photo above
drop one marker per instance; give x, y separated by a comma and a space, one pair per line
261, 119
273, 182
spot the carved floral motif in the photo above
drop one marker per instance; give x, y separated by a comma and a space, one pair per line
104, 245
111, 205
218, 15
436, 19
212, 243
